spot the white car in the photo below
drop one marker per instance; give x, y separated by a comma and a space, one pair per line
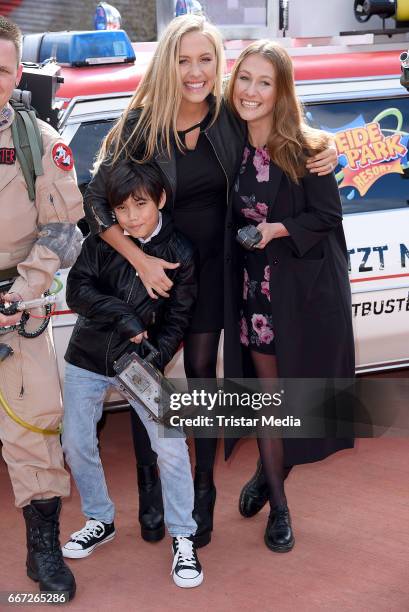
375, 201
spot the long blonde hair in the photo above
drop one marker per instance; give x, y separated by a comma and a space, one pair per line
291, 140
159, 95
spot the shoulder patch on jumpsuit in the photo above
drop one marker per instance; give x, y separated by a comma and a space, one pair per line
62, 156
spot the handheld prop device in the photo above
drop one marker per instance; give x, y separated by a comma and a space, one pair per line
139, 378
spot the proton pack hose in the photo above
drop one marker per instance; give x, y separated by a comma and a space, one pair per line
5, 352
19, 421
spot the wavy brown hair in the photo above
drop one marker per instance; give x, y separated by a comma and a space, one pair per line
159, 95
291, 139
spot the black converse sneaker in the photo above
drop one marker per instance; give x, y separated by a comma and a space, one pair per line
82, 543
186, 568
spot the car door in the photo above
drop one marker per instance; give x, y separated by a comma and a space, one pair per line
372, 137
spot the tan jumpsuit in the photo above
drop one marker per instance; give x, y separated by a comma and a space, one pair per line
29, 378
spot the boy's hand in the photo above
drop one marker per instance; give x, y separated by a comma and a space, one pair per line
325, 162
152, 273
138, 339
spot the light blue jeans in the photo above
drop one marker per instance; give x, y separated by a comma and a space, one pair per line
84, 394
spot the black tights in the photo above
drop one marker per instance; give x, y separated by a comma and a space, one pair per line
271, 449
200, 359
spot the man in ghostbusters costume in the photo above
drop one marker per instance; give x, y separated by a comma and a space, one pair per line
37, 237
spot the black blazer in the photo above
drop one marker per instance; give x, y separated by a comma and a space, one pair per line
309, 289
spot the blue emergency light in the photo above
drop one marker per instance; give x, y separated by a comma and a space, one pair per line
87, 48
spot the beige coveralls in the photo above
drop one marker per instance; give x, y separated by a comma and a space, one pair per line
29, 378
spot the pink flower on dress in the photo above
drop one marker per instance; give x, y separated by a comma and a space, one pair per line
251, 213
246, 284
262, 208
261, 162
244, 332
266, 335
258, 322
265, 289
267, 273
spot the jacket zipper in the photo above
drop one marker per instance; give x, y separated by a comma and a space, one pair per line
112, 333
169, 181
222, 167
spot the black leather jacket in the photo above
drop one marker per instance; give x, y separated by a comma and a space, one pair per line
227, 137
114, 306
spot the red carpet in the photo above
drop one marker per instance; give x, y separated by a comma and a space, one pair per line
350, 515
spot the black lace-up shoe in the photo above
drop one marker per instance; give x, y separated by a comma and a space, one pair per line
83, 543
254, 495
186, 569
45, 563
279, 535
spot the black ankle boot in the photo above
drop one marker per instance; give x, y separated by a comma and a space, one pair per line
45, 563
254, 495
150, 503
205, 499
279, 535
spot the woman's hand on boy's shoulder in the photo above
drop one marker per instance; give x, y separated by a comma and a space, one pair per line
152, 273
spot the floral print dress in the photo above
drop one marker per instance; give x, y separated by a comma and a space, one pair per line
250, 205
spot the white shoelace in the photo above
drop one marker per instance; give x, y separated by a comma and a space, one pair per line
91, 529
184, 554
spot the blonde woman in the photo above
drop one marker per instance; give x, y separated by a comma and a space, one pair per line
178, 120
291, 314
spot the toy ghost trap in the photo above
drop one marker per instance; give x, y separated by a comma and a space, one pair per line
142, 381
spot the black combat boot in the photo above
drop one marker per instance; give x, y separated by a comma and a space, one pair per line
150, 503
45, 563
279, 535
255, 493
205, 499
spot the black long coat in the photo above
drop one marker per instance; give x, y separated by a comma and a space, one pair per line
310, 295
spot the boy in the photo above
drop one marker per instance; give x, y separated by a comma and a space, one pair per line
115, 315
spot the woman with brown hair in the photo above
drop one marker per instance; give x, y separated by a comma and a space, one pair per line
288, 301
177, 119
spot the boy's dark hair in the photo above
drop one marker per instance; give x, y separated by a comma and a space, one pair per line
127, 178
10, 31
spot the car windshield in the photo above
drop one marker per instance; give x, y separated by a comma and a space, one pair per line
85, 145
372, 138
